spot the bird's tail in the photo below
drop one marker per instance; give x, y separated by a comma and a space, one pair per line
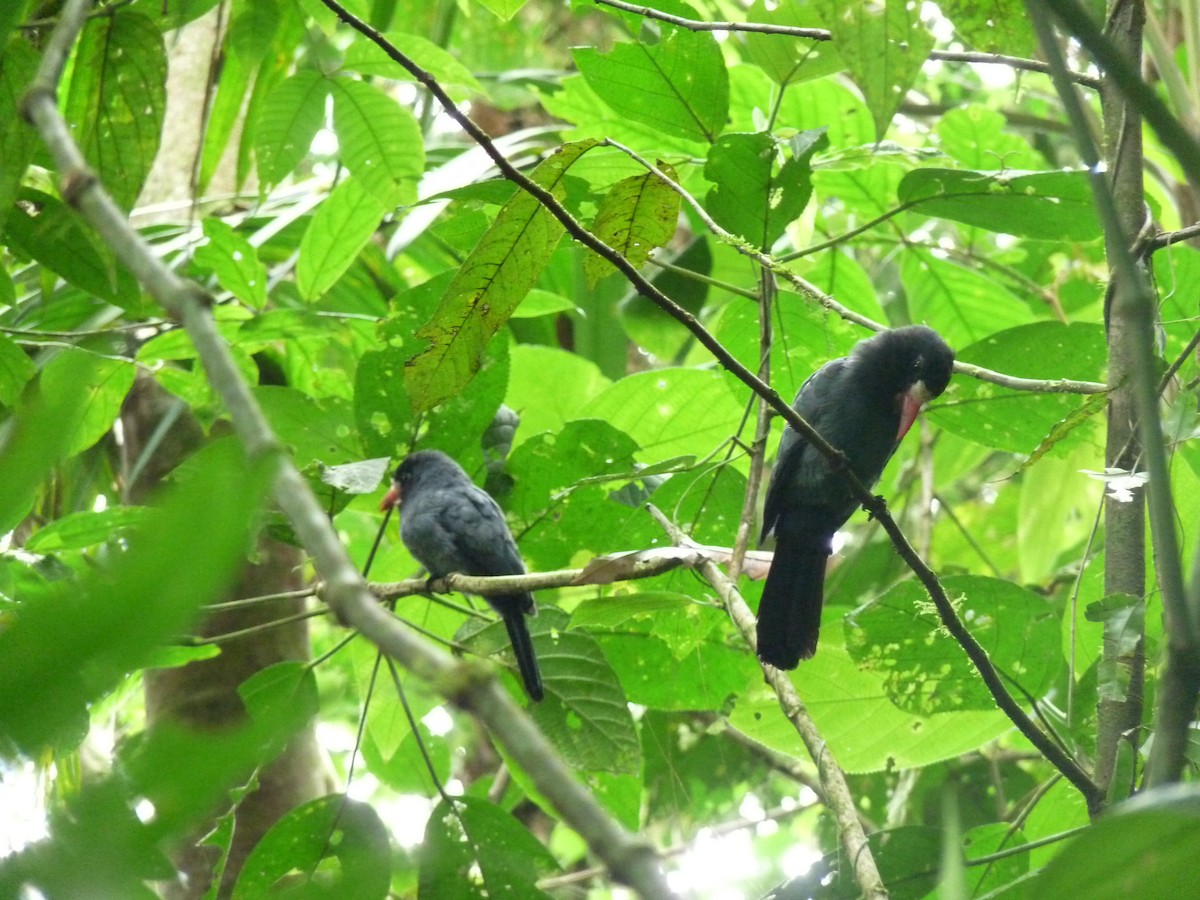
789, 615
522, 644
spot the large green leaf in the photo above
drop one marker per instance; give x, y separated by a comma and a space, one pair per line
754, 196
1054, 206
841, 697
884, 46
488, 287
979, 138
791, 60
339, 844
56, 237
104, 391
637, 215
344, 222
576, 381
368, 58
71, 645
963, 304
993, 26
235, 263
380, 141
118, 98
676, 83
18, 141
650, 637
1144, 849
670, 412
1012, 420
559, 518
475, 849
925, 672
291, 116
16, 368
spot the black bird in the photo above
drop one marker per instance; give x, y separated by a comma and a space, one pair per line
450, 525
861, 404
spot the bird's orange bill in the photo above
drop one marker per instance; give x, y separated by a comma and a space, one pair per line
911, 402
391, 498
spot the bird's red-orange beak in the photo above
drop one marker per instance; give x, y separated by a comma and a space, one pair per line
911, 403
391, 498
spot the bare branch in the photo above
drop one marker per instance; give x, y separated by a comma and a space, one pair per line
837, 796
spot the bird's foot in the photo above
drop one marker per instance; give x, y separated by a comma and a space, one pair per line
876, 508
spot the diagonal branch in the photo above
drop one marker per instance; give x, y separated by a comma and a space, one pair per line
474, 688
874, 505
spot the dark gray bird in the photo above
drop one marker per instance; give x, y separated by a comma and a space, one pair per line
450, 525
862, 404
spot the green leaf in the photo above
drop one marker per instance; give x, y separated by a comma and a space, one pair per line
488, 287
1011, 420
992, 26
636, 216
1146, 851
42, 431
793, 59
675, 83
670, 412
292, 115
575, 379
1124, 619
964, 304
542, 303
313, 429
685, 639
235, 263
1053, 206
841, 697
18, 140
344, 222
118, 99
86, 529
750, 198
104, 392
978, 138
250, 37
503, 9
16, 368
557, 518
926, 672
884, 46
332, 847
380, 141
72, 645
475, 848
368, 58
58, 239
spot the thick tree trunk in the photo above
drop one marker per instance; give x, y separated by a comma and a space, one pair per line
203, 695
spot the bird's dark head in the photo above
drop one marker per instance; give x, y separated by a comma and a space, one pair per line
417, 468
902, 358
911, 364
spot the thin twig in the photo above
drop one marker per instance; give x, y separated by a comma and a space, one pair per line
837, 796
823, 34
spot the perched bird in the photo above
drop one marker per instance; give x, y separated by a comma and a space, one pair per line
862, 405
450, 525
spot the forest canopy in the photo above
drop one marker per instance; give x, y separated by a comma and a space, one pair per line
254, 253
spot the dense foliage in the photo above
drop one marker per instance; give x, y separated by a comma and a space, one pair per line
383, 288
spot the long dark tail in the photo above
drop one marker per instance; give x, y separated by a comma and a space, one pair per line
522, 644
789, 616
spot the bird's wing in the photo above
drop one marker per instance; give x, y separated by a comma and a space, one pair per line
480, 534
814, 397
